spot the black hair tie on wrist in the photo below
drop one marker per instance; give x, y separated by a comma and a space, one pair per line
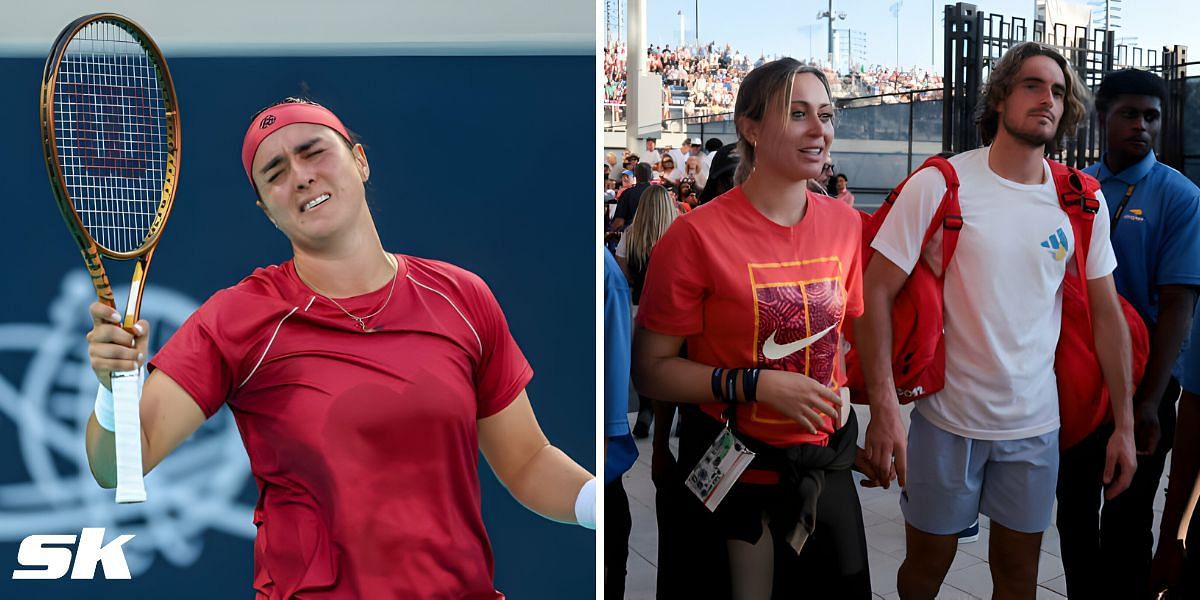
750, 384
731, 386
716, 384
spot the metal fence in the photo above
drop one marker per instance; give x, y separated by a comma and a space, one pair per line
881, 138
975, 41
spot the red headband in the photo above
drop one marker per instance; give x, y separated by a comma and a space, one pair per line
281, 115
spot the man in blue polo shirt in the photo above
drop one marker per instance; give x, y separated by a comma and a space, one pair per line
619, 449
1155, 224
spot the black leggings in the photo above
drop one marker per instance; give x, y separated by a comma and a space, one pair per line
617, 525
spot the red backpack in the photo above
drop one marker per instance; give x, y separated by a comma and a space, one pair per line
918, 347
918, 343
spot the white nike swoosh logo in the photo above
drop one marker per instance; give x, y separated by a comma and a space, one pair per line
775, 351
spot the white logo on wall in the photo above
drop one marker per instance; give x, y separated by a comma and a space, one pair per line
48, 400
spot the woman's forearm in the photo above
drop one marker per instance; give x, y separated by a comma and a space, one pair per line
549, 483
102, 455
675, 379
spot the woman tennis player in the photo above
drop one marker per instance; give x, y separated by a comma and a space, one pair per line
759, 282
364, 383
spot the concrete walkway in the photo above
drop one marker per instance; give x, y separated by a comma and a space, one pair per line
969, 576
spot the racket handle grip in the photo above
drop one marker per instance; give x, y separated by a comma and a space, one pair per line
127, 392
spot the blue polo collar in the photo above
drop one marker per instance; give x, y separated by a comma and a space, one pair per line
1131, 175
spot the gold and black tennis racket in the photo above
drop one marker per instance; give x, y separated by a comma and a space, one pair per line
110, 132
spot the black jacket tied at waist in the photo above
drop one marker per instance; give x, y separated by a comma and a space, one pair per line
802, 471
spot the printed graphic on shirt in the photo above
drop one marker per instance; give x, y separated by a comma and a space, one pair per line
1135, 214
797, 309
1057, 244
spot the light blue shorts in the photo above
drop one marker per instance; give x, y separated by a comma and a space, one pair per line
952, 479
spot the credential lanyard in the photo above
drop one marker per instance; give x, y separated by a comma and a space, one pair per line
1112, 229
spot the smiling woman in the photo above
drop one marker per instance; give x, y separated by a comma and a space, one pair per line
364, 384
763, 356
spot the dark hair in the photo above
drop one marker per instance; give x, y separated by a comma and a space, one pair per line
842, 176
713, 144
720, 173
642, 172
1129, 81
762, 87
1003, 76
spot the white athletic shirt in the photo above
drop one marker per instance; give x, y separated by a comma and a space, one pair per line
1003, 294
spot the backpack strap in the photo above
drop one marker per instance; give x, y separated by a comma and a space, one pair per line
947, 218
1077, 197
949, 213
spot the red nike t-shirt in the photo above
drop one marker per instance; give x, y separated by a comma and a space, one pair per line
364, 445
748, 292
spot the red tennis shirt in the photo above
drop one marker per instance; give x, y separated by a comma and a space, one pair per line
748, 292
364, 445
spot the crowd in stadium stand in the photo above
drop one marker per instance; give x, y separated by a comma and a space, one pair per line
704, 80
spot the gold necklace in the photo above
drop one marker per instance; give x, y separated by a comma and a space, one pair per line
362, 321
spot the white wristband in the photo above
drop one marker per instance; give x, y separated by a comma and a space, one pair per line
104, 409
585, 505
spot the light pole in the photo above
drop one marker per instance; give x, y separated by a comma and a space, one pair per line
829, 14
682, 41
895, 8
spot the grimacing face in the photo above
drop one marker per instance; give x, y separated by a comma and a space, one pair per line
309, 183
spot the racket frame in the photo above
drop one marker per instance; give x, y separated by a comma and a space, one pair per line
126, 385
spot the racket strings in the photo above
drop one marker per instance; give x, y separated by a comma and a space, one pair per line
111, 124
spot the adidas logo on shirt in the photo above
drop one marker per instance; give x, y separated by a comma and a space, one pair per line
1057, 244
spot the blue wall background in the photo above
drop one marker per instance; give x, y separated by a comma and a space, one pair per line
485, 162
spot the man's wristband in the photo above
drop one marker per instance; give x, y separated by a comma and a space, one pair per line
585, 505
104, 409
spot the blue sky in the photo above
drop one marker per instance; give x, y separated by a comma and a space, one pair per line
790, 27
